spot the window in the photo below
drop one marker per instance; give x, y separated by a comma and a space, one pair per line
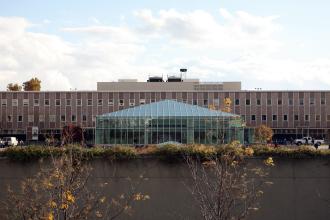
274, 117
68, 102
110, 102
253, 117
121, 102
100, 102
301, 101
30, 118
89, 102
58, 102
306, 117
3, 102
194, 102
142, 101
36, 102
14, 102
290, 102
41, 118
93, 118
20, 118
279, 102
78, 102
205, 102
236, 101
52, 118
264, 117
269, 102
317, 117
296, 117
258, 102
311, 101
243, 117
63, 118
328, 117
46, 102
285, 117
25, 102
247, 102
9, 118
322, 101
153, 100
131, 102
73, 118
215, 102
84, 118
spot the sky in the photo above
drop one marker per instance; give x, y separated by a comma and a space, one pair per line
71, 44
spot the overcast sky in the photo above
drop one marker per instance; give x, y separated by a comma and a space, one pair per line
281, 44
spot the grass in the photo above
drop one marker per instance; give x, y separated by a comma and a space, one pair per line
173, 152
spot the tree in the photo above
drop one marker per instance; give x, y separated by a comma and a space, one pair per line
263, 134
72, 134
33, 84
224, 187
14, 87
227, 105
63, 191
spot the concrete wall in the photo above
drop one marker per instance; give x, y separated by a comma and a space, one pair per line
294, 195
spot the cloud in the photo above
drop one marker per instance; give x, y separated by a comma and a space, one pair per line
199, 29
223, 47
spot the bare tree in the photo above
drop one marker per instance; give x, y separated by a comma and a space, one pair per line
224, 187
61, 192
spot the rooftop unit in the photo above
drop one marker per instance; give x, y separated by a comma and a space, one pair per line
155, 79
174, 79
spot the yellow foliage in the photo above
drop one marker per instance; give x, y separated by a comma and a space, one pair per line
50, 216
69, 197
52, 204
263, 133
269, 161
64, 206
249, 151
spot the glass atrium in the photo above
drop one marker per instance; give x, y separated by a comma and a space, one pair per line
168, 121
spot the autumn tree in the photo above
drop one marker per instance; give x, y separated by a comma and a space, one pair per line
224, 187
72, 134
263, 134
61, 191
14, 87
227, 105
33, 84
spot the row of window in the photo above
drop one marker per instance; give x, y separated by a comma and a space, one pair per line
280, 101
68, 102
285, 117
52, 118
216, 102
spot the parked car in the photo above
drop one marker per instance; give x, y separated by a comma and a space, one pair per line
10, 141
308, 140
2, 143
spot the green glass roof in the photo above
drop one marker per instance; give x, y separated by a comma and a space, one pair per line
168, 108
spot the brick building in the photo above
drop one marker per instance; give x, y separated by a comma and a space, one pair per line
290, 113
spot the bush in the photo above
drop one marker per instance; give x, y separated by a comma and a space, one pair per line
173, 152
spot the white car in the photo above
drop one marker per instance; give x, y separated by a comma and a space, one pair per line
10, 141
308, 140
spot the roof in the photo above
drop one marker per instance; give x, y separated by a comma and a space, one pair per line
168, 108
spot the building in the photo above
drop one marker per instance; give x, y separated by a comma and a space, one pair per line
291, 114
168, 121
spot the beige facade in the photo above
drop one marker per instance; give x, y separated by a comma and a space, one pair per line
187, 86
289, 113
